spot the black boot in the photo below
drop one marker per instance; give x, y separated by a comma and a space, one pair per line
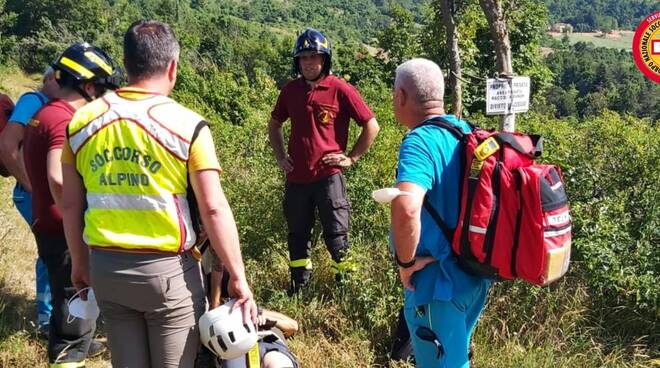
299, 279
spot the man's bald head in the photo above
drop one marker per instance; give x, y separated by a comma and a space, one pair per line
422, 80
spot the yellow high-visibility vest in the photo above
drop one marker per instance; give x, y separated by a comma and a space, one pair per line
131, 148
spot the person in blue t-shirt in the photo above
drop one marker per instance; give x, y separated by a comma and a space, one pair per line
442, 303
11, 140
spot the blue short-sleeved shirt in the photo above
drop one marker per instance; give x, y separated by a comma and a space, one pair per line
429, 157
27, 106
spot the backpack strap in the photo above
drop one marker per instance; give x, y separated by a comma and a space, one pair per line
190, 195
201, 125
510, 139
443, 123
458, 133
448, 233
39, 96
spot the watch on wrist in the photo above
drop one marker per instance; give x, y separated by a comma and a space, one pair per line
404, 264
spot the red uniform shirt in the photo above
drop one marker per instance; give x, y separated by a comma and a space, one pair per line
6, 105
320, 118
46, 132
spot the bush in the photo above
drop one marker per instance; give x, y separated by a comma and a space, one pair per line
612, 167
609, 296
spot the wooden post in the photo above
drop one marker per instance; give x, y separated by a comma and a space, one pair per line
500, 34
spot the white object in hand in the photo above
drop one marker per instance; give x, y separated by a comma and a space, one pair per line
387, 195
84, 309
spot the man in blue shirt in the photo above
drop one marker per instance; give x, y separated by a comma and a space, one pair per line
442, 302
11, 141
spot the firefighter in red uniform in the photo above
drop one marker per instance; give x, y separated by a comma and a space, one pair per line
320, 107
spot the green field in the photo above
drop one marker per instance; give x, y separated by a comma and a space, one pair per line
621, 40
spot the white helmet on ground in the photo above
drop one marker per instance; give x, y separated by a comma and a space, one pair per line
224, 332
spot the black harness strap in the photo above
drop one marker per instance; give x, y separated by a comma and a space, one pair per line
458, 134
190, 195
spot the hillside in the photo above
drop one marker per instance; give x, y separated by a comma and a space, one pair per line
601, 15
599, 115
570, 323
620, 40
345, 20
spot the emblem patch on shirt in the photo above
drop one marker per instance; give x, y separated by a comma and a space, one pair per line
325, 116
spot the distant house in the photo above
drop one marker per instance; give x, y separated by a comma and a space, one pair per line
561, 28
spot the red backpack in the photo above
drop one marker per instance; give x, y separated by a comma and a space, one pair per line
514, 220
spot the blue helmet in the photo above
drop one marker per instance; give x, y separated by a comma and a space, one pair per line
82, 62
313, 40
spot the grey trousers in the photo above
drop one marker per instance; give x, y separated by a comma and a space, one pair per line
151, 304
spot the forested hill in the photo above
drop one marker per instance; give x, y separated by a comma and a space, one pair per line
601, 15
344, 19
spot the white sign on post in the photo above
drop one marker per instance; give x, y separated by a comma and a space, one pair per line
507, 95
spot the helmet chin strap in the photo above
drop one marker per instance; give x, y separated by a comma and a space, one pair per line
83, 93
86, 95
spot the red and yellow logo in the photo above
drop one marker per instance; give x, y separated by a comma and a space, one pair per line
325, 116
646, 47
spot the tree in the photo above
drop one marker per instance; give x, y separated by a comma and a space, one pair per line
500, 34
526, 22
7, 40
600, 78
400, 39
563, 100
46, 27
448, 11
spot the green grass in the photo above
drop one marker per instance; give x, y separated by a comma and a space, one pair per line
564, 325
622, 42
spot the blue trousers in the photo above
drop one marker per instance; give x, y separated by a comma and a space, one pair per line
23, 203
452, 322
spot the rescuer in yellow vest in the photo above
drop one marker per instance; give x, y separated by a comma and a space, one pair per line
136, 166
